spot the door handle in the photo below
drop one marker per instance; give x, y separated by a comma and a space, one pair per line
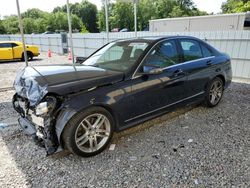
209, 62
178, 72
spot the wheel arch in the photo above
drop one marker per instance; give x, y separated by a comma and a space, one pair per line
67, 114
28, 52
222, 77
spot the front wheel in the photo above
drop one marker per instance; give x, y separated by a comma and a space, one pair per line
214, 92
30, 56
89, 132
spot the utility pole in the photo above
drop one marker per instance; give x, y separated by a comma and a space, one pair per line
107, 19
21, 31
70, 32
135, 17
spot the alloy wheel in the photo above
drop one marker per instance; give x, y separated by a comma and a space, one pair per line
92, 133
215, 92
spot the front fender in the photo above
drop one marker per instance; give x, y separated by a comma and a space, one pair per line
64, 116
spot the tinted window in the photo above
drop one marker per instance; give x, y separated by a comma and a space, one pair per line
14, 45
206, 52
5, 45
164, 55
191, 49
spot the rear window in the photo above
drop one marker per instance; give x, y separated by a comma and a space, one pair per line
206, 51
14, 45
191, 49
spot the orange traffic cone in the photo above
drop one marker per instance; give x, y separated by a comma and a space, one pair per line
49, 53
69, 54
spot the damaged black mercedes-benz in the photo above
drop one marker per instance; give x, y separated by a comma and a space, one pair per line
78, 107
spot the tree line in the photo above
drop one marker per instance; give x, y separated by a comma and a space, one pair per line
86, 17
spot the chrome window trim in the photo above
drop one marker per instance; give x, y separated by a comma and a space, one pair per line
165, 106
172, 66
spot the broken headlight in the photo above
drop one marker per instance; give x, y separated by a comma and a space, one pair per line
47, 106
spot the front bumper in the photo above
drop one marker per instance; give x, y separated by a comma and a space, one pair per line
36, 54
28, 127
43, 131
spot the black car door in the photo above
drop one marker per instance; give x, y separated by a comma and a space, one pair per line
151, 93
197, 60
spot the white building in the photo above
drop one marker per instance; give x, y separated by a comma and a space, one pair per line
222, 22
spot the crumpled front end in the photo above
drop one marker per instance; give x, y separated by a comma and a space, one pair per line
27, 87
37, 109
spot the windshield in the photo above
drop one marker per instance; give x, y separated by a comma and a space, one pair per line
118, 56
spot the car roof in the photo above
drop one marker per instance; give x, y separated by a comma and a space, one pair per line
8, 41
155, 38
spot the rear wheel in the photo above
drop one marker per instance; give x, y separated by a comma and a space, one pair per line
30, 56
89, 132
214, 92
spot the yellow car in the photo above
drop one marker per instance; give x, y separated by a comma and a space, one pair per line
11, 50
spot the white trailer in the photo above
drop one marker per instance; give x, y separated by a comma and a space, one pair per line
220, 22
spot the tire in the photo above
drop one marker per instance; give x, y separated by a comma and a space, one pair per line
214, 92
30, 56
84, 130
22, 58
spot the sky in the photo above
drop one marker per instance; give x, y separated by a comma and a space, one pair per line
8, 7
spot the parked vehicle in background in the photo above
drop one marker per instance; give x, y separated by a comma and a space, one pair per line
124, 30
126, 82
48, 32
115, 30
13, 50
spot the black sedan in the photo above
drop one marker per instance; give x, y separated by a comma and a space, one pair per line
78, 107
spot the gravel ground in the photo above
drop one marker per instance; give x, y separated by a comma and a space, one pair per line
190, 147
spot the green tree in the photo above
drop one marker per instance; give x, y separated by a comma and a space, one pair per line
35, 13
165, 7
121, 14
101, 20
41, 25
86, 11
2, 28
59, 21
35, 21
234, 6
29, 25
11, 24
147, 10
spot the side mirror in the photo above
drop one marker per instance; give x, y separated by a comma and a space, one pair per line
152, 70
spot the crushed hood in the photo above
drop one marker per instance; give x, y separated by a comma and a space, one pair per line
35, 82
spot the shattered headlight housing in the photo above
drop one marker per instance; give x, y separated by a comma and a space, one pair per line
42, 108
46, 106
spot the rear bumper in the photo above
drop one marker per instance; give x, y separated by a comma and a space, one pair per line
228, 76
36, 54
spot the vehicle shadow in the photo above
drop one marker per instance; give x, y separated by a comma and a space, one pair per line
38, 169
